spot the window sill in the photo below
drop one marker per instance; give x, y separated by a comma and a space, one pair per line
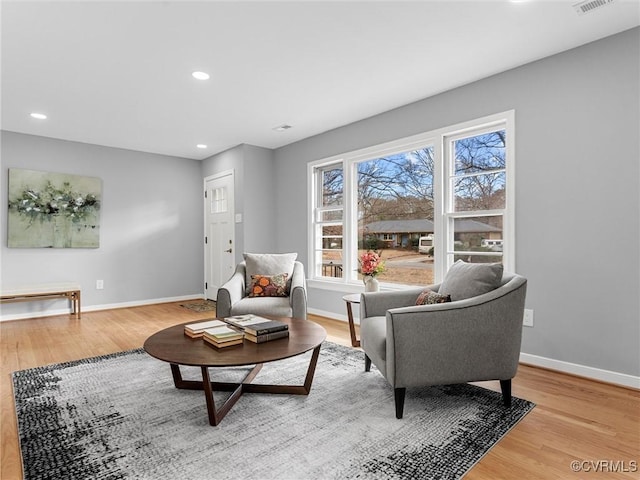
351, 287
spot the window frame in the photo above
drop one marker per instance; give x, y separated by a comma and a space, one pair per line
444, 164
317, 209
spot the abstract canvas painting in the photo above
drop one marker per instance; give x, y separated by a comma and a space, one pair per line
53, 210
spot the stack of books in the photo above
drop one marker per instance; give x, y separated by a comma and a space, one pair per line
196, 330
259, 329
221, 337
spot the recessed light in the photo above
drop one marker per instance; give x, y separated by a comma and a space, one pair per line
200, 75
282, 128
39, 116
201, 145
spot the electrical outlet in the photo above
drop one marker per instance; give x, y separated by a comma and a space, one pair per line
99, 284
527, 320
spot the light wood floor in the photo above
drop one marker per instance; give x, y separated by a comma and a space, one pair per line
575, 419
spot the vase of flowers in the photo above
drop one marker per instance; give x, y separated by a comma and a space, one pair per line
370, 267
371, 283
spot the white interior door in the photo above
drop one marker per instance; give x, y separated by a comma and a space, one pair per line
219, 232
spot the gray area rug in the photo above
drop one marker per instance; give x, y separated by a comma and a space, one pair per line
119, 416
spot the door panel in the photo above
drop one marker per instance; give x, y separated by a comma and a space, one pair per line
219, 231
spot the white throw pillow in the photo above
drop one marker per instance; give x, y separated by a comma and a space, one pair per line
466, 280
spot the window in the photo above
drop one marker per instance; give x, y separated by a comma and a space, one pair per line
328, 222
394, 205
219, 200
475, 191
423, 202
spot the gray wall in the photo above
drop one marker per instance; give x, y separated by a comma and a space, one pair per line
260, 201
577, 183
151, 225
254, 185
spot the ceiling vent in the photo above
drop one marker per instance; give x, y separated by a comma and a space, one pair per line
589, 6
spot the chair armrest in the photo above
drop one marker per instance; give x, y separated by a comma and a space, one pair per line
376, 304
298, 294
231, 292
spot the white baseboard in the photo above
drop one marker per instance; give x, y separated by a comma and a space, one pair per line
566, 367
582, 370
94, 308
332, 315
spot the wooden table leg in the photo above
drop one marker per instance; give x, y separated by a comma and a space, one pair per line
217, 414
208, 395
352, 328
75, 300
289, 389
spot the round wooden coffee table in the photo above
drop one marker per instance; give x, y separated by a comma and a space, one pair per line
173, 346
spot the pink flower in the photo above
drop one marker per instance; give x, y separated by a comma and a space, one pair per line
370, 263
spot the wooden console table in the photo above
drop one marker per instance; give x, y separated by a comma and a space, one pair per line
45, 292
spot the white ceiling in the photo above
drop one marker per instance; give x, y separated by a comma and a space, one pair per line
119, 73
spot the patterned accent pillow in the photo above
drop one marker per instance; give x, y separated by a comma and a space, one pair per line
268, 264
429, 297
268, 285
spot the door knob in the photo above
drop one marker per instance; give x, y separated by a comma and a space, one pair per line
228, 251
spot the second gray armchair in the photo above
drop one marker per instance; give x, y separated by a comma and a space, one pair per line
468, 339
235, 297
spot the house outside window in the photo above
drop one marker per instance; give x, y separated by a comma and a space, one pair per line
450, 189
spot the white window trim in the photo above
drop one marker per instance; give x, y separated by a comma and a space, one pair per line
437, 139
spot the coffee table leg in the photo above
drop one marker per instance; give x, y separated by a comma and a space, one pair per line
208, 395
288, 389
177, 376
216, 416
183, 384
312, 369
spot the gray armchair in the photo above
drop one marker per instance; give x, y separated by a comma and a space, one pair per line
233, 300
467, 340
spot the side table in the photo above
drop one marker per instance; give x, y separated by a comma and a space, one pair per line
353, 298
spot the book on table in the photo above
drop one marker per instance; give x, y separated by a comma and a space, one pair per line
222, 336
242, 321
226, 343
268, 326
222, 333
256, 325
266, 337
196, 330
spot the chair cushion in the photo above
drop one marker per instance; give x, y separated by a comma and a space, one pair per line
276, 306
429, 297
268, 285
373, 332
269, 264
466, 280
